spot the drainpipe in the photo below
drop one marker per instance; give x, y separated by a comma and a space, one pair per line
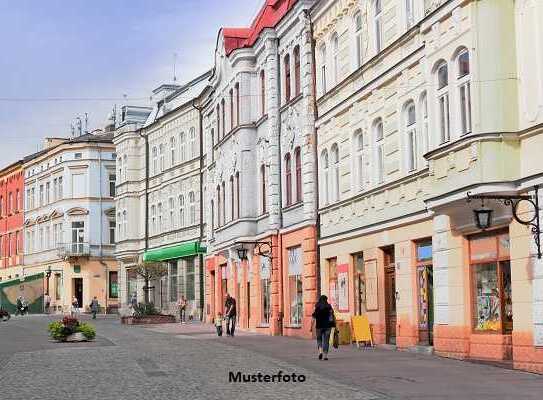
201, 238
315, 154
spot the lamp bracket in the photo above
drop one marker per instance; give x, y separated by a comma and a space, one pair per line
514, 202
264, 248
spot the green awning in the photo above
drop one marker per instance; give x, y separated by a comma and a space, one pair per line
174, 252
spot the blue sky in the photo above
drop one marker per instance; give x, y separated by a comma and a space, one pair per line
94, 53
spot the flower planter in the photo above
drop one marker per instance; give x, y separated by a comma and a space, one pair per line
148, 320
76, 337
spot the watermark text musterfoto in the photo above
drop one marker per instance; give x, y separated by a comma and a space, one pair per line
259, 377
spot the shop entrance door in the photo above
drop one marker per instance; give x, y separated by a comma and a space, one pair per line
78, 290
425, 277
390, 295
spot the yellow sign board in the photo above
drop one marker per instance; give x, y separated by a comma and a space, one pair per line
361, 329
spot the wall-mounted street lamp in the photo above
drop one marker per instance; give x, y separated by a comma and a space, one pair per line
263, 249
483, 215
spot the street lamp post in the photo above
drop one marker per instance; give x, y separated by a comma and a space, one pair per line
483, 215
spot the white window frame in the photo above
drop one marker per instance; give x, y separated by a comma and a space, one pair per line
443, 107
379, 136
173, 150
358, 152
323, 71
325, 179
359, 53
464, 95
335, 57
410, 136
335, 158
378, 25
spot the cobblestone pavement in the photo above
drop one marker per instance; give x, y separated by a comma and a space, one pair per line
189, 362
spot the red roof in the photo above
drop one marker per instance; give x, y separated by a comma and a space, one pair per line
269, 16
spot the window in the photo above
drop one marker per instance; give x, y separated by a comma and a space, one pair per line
41, 196
189, 279
237, 104
411, 136
223, 118
288, 179
379, 151
223, 202
181, 200
358, 39
324, 177
173, 281
18, 201
443, 102
263, 92
298, 164
238, 193
60, 189
10, 202
160, 216
491, 269
464, 89
125, 224
265, 283
263, 189
378, 26
359, 159
332, 282
335, 57
125, 167
173, 150
111, 232
171, 204
1, 206
112, 183
192, 208
231, 95
213, 226
409, 13
155, 160
212, 144
78, 156
297, 85
334, 152
162, 163
286, 64
78, 237
183, 146
218, 123
153, 219
58, 286
113, 285
295, 285
323, 69
359, 284
193, 146
424, 120
218, 206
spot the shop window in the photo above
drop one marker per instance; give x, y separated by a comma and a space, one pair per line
359, 284
190, 279
295, 287
332, 282
265, 280
58, 286
491, 276
113, 285
132, 284
173, 282
77, 269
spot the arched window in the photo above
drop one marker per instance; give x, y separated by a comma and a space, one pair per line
125, 168
410, 119
322, 74
173, 150
298, 165
153, 220
358, 39
183, 146
238, 198
409, 13
171, 203
219, 206
443, 101
155, 160
231, 109
288, 179
160, 216
286, 65
334, 152
232, 198
297, 86
263, 92
358, 144
181, 211
212, 217
263, 188
223, 202
162, 156
424, 122
379, 150
324, 177
223, 118
237, 104
192, 208
335, 57
464, 88
193, 150
378, 26
212, 144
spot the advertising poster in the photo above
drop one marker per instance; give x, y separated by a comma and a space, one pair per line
343, 287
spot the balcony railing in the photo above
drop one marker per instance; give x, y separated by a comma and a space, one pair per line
73, 250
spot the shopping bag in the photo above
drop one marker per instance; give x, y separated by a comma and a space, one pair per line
335, 342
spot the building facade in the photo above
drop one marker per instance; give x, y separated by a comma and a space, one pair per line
11, 219
419, 103
261, 172
69, 226
160, 164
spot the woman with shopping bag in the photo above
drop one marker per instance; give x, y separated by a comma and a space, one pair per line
323, 322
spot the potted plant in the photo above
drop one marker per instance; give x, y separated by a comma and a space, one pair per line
71, 330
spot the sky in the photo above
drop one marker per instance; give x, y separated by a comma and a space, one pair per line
60, 59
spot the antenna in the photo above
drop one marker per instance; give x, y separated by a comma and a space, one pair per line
72, 129
79, 125
174, 62
86, 122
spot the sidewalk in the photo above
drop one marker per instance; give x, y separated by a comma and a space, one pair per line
395, 374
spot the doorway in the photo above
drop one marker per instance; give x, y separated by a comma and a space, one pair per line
390, 295
425, 294
78, 290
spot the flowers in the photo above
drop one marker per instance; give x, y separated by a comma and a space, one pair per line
62, 330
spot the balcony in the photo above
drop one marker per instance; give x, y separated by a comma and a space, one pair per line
71, 250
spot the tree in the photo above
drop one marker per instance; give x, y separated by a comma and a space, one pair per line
150, 272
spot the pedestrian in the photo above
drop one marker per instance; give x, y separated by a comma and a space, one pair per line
94, 307
75, 307
323, 320
182, 306
230, 313
134, 302
47, 302
19, 306
218, 324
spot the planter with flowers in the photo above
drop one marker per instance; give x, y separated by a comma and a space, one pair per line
71, 330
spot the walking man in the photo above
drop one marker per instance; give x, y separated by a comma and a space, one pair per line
94, 306
47, 302
230, 307
182, 304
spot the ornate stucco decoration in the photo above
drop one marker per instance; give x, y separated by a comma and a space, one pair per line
292, 124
